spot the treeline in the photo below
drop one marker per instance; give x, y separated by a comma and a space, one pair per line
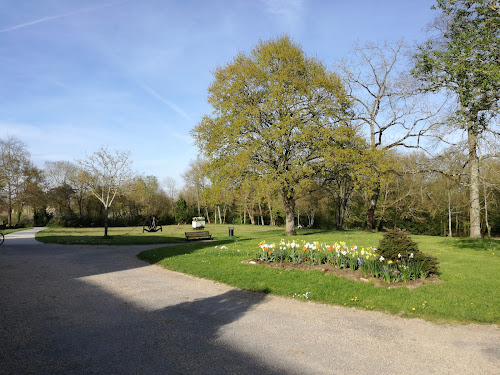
420, 194
415, 194
60, 194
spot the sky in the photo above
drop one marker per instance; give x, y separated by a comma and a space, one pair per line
133, 75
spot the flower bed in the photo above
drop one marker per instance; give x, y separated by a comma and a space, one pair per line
341, 256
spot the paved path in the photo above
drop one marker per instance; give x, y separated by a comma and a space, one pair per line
99, 310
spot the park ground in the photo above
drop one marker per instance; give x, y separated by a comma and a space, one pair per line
99, 309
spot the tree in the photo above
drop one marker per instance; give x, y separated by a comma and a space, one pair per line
181, 211
146, 193
106, 174
14, 170
386, 104
462, 58
274, 112
195, 178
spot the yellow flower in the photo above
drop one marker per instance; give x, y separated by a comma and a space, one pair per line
413, 309
390, 262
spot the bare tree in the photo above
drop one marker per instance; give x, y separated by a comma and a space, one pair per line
14, 169
386, 102
106, 175
195, 178
171, 189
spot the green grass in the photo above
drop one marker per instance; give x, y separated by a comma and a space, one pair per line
116, 236
468, 291
7, 231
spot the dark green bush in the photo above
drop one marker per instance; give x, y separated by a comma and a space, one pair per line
397, 245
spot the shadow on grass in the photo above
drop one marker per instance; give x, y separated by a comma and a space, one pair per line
478, 244
316, 231
109, 240
157, 255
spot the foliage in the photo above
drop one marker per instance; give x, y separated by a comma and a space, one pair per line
368, 260
462, 58
274, 115
181, 211
397, 245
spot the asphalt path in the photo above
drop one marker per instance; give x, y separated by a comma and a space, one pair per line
71, 309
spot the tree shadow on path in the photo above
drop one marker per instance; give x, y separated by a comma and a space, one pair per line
53, 323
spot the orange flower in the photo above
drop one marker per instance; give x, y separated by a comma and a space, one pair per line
304, 248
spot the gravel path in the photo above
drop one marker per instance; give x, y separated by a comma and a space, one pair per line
99, 310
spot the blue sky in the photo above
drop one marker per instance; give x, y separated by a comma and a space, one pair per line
133, 74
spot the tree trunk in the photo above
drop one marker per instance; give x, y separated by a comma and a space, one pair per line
207, 215
271, 217
289, 203
372, 205
342, 210
250, 212
475, 208
10, 207
310, 219
261, 214
488, 226
106, 209
450, 233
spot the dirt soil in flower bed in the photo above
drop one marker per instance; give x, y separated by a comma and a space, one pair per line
347, 274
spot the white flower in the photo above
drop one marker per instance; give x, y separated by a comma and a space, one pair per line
411, 255
382, 258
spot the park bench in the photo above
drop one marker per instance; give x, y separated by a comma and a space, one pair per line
199, 234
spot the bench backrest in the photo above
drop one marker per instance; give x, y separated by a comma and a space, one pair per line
197, 234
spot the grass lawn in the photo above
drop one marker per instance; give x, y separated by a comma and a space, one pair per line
116, 236
469, 290
7, 231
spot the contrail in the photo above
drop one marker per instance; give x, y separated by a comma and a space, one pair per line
167, 102
50, 18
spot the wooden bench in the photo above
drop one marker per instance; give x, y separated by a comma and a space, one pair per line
199, 234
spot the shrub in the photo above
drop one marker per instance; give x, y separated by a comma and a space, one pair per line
396, 243
398, 246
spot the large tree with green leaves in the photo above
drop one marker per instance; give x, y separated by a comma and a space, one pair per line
463, 58
274, 115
